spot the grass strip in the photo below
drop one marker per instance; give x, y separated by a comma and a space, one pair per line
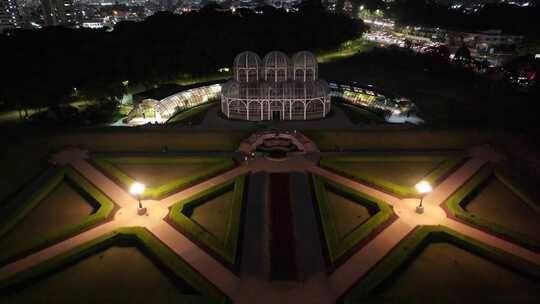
339, 247
24, 247
215, 166
457, 200
227, 248
412, 246
137, 235
340, 164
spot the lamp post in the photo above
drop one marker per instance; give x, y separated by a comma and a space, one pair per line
423, 188
137, 189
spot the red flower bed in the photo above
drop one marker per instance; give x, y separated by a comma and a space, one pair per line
282, 243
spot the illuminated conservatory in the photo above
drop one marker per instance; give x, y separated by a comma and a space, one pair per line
275, 88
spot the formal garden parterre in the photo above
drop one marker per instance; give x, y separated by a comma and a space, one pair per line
477, 230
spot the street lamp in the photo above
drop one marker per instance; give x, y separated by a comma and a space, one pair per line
423, 188
137, 189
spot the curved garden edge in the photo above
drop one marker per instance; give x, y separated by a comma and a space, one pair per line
413, 244
26, 247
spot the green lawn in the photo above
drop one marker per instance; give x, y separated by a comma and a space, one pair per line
25, 153
14, 116
128, 264
214, 214
498, 203
409, 139
493, 201
346, 50
397, 173
162, 175
347, 213
445, 273
62, 205
199, 223
435, 264
116, 274
346, 226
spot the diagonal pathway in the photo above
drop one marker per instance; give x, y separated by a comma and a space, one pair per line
320, 287
442, 192
363, 260
54, 250
493, 241
103, 183
354, 185
175, 198
206, 265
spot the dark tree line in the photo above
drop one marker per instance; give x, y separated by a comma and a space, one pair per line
48, 66
510, 18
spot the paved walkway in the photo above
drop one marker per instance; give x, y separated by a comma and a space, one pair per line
318, 287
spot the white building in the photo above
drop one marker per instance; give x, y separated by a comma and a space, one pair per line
275, 88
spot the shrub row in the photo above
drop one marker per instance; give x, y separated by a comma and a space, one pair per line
413, 245
468, 190
337, 247
339, 164
215, 166
227, 248
135, 236
65, 174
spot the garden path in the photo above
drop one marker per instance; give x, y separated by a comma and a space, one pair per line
320, 287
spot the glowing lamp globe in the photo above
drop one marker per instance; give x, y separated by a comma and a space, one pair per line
423, 187
137, 188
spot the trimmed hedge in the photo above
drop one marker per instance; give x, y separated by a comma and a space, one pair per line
337, 247
68, 174
339, 164
215, 166
138, 237
412, 246
469, 189
227, 248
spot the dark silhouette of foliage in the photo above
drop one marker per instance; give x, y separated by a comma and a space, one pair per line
509, 18
463, 54
42, 67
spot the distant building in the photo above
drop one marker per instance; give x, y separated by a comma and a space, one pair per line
167, 5
59, 12
275, 88
9, 15
490, 41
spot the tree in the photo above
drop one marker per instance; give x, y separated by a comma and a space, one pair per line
463, 55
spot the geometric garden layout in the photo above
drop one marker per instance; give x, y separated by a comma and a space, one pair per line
356, 233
